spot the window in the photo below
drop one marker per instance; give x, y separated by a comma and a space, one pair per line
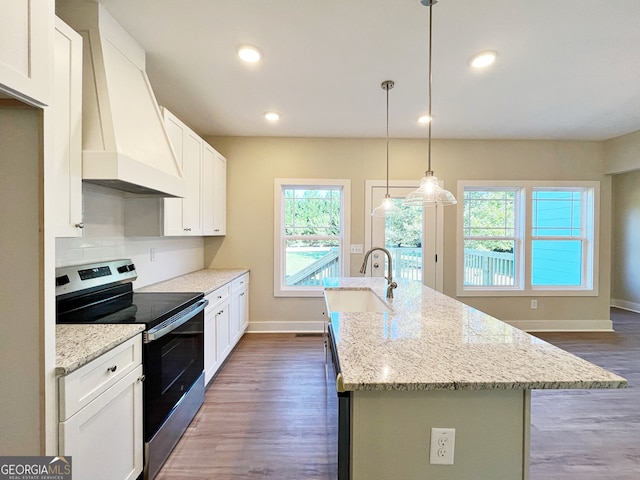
311, 234
527, 238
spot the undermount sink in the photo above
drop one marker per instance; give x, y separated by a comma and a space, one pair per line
355, 300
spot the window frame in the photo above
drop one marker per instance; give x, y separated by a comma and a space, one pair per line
523, 283
280, 289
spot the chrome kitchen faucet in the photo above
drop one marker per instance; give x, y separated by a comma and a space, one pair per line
390, 283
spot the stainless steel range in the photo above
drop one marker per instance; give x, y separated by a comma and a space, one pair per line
173, 350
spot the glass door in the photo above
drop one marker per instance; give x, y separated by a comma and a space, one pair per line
413, 237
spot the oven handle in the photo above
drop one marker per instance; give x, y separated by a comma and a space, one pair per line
160, 331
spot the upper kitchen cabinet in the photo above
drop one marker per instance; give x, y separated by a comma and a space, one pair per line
183, 216
202, 211
66, 111
26, 32
214, 195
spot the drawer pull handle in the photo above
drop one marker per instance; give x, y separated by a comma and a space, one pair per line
242, 294
112, 369
141, 378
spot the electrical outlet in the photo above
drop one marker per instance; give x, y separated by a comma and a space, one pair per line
443, 441
534, 304
152, 254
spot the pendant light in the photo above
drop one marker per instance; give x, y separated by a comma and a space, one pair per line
387, 207
430, 194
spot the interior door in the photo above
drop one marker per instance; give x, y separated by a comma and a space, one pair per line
414, 237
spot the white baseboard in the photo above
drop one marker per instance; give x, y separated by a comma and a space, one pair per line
286, 327
625, 305
604, 325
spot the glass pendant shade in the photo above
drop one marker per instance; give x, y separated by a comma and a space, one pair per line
387, 207
430, 194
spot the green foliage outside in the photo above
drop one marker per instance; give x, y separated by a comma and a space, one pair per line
489, 213
405, 228
312, 213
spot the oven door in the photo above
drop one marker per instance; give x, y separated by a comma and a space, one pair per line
173, 361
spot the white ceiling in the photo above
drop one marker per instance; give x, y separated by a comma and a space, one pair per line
566, 69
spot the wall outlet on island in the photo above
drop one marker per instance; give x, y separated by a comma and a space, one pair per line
443, 441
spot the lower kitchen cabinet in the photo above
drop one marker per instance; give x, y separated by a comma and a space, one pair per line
226, 318
239, 307
100, 412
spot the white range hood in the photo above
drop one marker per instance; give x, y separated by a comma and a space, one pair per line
124, 144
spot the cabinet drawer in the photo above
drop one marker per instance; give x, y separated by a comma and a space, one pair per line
79, 388
218, 295
240, 282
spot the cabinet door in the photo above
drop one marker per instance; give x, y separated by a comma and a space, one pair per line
210, 345
173, 206
244, 310
105, 437
220, 195
223, 340
208, 186
234, 318
192, 168
66, 112
26, 27
182, 216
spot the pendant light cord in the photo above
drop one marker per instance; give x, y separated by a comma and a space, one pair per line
387, 85
387, 89
429, 171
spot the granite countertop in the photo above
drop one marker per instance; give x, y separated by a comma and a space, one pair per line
78, 344
430, 341
206, 281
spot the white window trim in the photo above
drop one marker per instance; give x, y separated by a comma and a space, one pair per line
524, 288
279, 288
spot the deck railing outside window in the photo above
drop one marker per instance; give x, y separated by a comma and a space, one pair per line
486, 268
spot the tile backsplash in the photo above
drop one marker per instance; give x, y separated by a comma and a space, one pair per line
156, 258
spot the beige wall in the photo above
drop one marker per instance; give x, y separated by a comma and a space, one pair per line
22, 363
622, 154
253, 163
625, 285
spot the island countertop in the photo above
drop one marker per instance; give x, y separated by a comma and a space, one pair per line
430, 341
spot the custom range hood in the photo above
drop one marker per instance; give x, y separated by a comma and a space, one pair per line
125, 145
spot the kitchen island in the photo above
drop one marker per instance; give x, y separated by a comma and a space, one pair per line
431, 361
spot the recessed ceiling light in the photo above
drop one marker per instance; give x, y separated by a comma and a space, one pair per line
249, 54
423, 120
272, 116
483, 59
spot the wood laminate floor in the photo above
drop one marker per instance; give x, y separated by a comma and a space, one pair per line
269, 415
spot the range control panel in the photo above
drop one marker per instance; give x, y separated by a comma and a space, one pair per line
76, 278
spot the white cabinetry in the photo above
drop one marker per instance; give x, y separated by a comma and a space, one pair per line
214, 204
26, 29
183, 216
239, 307
225, 320
216, 320
100, 411
66, 110
203, 209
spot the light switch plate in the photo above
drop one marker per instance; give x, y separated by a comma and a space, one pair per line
357, 248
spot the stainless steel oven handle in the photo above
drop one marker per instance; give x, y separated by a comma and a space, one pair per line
156, 333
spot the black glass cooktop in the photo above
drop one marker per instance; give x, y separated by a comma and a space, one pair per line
121, 305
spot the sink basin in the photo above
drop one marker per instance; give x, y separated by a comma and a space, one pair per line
354, 301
